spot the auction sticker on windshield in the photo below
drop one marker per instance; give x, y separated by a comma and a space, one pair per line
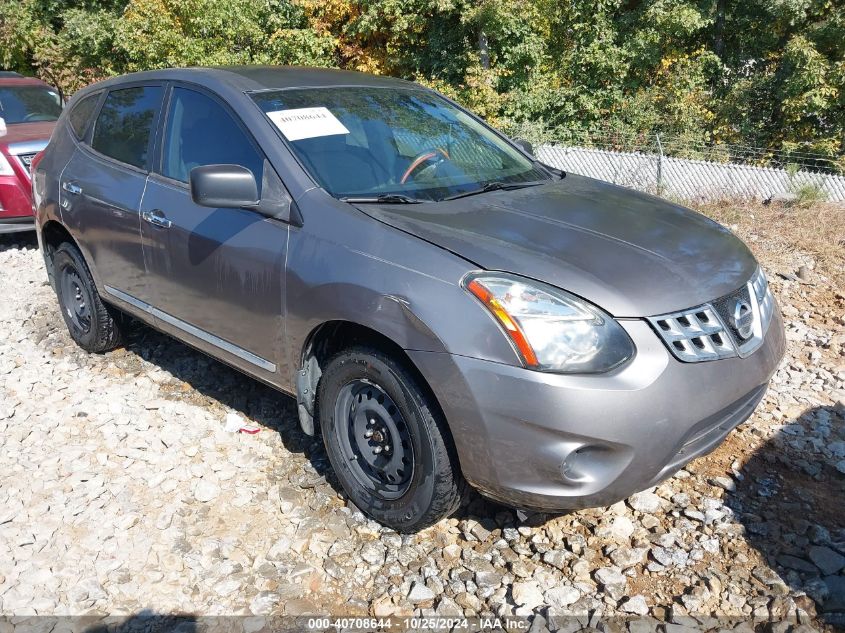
307, 123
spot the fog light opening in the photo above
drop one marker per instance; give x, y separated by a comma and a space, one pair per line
594, 466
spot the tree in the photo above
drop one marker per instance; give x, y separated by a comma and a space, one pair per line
768, 73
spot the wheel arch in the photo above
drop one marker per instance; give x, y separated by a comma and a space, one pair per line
53, 234
331, 337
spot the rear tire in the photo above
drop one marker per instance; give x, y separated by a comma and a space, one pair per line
94, 326
387, 442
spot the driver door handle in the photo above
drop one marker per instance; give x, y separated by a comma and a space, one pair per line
71, 187
156, 218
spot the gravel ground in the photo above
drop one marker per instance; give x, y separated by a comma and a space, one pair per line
120, 490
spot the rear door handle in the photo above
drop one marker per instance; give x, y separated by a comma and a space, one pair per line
156, 218
71, 187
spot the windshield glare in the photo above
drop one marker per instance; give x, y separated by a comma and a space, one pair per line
369, 142
28, 104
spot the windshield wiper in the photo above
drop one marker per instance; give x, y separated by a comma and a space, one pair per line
555, 171
387, 198
495, 185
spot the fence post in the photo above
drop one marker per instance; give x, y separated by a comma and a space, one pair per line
659, 165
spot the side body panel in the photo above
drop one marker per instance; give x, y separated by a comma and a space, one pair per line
343, 265
101, 210
45, 178
221, 271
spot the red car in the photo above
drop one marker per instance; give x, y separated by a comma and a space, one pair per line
28, 112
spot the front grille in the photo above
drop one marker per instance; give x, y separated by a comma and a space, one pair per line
711, 331
26, 160
724, 306
694, 335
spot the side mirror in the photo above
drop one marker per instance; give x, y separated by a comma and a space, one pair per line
224, 186
527, 147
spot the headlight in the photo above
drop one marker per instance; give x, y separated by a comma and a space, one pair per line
551, 329
765, 299
760, 284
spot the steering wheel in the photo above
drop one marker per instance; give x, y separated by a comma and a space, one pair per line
36, 116
422, 158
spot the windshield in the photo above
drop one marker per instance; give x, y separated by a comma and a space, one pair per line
376, 142
28, 104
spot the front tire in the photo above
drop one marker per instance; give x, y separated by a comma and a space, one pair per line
387, 442
94, 326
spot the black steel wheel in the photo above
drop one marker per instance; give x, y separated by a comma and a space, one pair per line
387, 440
94, 326
375, 439
76, 301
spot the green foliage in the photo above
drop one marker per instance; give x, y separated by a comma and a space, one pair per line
162, 33
807, 192
767, 73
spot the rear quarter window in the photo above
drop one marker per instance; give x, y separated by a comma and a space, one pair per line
81, 113
125, 124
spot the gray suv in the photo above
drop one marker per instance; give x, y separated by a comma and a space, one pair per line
445, 308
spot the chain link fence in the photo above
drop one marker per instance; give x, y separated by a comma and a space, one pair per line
683, 170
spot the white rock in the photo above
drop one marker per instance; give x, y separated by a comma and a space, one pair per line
646, 502
626, 557
227, 587
206, 490
726, 483
619, 529
826, 559
233, 423
264, 603
527, 594
612, 582
636, 605
373, 552
560, 597
420, 593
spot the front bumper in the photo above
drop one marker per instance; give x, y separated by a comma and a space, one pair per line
553, 442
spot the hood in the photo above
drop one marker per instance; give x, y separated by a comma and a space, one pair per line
26, 132
627, 252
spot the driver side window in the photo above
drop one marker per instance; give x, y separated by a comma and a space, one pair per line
201, 132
